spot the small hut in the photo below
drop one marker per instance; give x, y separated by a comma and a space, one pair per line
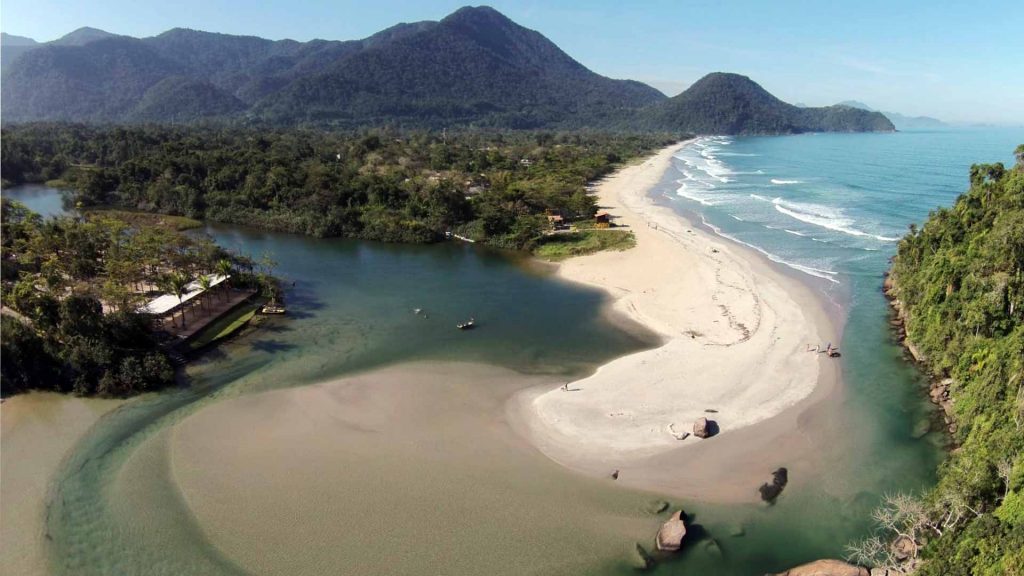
603, 219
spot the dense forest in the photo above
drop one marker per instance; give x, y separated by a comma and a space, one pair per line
71, 290
410, 187
959, 281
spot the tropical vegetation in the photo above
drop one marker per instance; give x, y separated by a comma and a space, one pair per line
377, 185
959, 281
71, 291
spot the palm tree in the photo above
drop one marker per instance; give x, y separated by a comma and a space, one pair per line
175, 283
204, 283
224, 269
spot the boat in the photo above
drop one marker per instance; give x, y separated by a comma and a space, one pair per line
273, 307
467, 325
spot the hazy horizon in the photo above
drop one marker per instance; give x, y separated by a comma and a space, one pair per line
917, 60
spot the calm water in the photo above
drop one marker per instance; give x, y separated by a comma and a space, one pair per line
827, 205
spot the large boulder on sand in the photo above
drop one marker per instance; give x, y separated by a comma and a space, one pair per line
826, 568
670, 536
701, 428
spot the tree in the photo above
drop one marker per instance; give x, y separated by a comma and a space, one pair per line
176, 283
204, 283
224, 268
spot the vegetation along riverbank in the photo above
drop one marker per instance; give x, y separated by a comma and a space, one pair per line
102, 304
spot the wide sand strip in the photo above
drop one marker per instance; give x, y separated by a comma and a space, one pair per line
736, 334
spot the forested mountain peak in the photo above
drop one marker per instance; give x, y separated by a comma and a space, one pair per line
725, 103
82, 36
13, 40
475, 67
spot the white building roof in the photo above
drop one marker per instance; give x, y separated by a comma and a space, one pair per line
165, 303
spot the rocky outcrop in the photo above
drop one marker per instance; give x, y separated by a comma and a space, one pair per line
670, 536
826, 568
939, 388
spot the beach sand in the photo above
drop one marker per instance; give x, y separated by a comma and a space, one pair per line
36, 432
735, 334
409, 469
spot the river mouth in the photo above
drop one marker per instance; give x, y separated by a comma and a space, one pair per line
194, 481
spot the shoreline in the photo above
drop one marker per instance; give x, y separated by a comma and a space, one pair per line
734, 332
39, 431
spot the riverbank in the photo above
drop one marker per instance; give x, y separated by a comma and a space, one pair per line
736, 335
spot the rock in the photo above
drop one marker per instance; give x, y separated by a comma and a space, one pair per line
642, 559
904, 548
826, 568
702, 427
771, 490
615, 475
670, 536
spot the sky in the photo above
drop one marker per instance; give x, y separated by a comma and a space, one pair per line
957, 61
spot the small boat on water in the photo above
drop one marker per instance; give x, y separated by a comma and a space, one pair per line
467, 325
273, 307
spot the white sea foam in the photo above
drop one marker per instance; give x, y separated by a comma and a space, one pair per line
794, 232
781, 182
686, 192
810, 270
825, 217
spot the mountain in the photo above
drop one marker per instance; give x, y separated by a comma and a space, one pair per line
11, 47
473, 68
82, 36
722, 103
899, 120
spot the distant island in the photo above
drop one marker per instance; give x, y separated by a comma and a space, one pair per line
901, 121
474, 68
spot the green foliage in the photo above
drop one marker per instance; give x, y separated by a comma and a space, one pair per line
71, 288
380, 185
960, 280
562, 246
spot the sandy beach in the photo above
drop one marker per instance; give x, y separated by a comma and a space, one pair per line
735, 336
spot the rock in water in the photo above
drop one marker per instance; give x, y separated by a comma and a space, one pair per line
670, 536
770, 490
701, 428
826, 568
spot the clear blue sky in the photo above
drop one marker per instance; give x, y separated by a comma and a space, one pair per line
959, 61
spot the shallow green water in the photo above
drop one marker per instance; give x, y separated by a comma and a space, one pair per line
351, 308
